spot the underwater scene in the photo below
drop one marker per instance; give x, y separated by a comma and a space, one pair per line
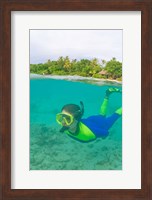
51, 149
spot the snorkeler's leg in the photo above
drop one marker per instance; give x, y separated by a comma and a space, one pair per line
104, 106
113, 118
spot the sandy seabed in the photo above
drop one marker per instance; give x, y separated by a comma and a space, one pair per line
52, 150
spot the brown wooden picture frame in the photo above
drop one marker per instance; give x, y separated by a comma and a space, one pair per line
6, 6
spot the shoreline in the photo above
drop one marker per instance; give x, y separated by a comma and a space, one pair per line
75, 78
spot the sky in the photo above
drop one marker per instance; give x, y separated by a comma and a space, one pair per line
77, 44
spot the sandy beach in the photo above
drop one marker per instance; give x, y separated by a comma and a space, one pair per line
96, 81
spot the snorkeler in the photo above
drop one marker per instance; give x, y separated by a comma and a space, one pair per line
86, 130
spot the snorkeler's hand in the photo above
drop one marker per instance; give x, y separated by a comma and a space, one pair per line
63, 129
111, 90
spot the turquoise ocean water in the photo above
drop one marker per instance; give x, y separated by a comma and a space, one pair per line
52, 150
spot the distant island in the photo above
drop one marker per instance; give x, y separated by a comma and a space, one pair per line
111, 70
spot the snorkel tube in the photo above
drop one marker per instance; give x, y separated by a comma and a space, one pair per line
82, 108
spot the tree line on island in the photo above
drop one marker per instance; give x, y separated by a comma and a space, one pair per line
87, 68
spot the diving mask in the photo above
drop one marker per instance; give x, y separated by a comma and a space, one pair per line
64, 118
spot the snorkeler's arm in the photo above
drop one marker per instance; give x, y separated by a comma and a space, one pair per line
103, 108
119, 111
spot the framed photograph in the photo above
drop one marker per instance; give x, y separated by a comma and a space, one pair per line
76, 100
63, 99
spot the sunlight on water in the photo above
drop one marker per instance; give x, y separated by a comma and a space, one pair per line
50, 149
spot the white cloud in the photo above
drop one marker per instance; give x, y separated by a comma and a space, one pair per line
77, 44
